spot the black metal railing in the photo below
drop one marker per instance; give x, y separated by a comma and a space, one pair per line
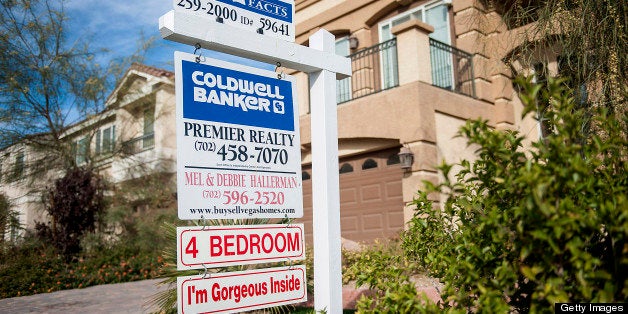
452, 68
139, 144
374, 69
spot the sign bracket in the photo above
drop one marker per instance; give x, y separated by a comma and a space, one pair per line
191, 29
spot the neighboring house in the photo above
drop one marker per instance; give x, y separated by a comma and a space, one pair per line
121, 142
420, 70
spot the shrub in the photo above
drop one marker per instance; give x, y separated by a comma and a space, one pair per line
524, 230
519, 230
74, 206
34, 268
9, 221
383, 268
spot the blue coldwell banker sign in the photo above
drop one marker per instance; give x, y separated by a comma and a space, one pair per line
223, 95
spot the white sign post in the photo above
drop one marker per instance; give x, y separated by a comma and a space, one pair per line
325, 184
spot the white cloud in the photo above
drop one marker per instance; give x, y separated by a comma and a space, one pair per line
131, 12
115, 24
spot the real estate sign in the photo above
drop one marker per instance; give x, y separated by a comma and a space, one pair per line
238, 141
221, 246
241, 291
273, 18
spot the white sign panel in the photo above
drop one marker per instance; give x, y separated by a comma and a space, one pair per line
241, 291
220, 246
238, 141
273, 18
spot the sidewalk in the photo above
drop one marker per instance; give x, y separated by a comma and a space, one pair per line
130, 297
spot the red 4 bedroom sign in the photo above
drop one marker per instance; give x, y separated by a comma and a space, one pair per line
221, 246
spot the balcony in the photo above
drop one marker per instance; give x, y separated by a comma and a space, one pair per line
139, 144
376, 68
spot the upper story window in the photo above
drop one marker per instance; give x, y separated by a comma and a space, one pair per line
435, 13
148, 139
18, 166
343, 87
81, 150
105, 140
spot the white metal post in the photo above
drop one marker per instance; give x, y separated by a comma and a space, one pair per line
325, 183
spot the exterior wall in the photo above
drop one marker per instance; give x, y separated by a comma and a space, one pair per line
20, 190
416, 114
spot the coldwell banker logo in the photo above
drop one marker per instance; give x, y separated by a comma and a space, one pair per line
224, 95
271, 8
225, 90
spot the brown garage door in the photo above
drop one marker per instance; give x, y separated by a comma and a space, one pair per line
371, 203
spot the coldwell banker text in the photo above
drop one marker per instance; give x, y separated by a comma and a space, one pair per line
220, 94
231, 91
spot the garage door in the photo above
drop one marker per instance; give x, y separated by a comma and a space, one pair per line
371, 200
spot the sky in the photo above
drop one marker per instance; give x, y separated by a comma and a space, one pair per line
118, 25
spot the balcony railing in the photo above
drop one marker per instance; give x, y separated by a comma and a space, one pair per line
374, 70
452, 68
139, 144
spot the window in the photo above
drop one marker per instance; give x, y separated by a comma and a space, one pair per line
105, 140
343, 87
542, 108
148, 140
566, 70
305, 175
393, 160
346, 168
436, 14
81, 150
369, 164
97, 148
18, 167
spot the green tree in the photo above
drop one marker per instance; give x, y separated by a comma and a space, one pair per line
590, 37
48, 83
9, 221
522, 230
